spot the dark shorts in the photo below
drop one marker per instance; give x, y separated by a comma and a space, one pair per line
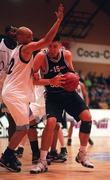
71, 102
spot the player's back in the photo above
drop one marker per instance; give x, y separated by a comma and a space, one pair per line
19, 80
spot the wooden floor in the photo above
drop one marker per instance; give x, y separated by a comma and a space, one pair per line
70, 170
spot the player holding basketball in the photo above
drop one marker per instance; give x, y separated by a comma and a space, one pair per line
53, 62
18, 87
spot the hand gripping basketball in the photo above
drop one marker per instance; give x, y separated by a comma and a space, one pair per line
71, 81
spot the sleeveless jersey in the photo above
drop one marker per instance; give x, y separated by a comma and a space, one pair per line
5, 54
19, 81
54, 67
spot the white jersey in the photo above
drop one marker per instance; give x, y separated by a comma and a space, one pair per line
5, 54
18, 82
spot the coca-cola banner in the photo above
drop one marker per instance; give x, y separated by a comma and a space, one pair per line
91, 53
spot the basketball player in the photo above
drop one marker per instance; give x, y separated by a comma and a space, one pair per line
18, 88
53, 62
53, 155
38, 111
81, 90
7, 45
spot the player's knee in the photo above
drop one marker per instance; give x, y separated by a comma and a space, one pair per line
85, 127
57, 127
85, 115
51, 123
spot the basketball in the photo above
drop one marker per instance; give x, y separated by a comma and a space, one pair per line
71, 81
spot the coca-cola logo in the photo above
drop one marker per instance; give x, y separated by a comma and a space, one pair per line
93, 54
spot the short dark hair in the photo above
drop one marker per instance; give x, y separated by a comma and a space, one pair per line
57, 37
8, 28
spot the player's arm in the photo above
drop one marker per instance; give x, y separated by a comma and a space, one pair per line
39, 65
33, 46
85, 93
69, 60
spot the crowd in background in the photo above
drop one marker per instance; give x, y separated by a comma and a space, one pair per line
98, 89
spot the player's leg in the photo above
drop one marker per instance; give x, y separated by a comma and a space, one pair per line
52, 154
8, 158
33, 139
91, 141
64, 124
84, 133
19, 151
63, 151
47, 138
12, 125
70, 132
53, 112
77, 108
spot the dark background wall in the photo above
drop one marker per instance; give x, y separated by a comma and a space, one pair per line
39, 16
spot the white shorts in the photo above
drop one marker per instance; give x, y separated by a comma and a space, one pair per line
70, 118
38, 107
37, 110
18, 105
18, 108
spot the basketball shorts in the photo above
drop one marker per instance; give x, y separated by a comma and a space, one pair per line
71, 102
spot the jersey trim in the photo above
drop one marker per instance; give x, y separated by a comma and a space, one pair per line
21, 58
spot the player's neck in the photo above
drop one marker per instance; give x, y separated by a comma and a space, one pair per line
53, 56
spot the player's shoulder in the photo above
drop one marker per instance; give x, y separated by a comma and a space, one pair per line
67, 53
40, 55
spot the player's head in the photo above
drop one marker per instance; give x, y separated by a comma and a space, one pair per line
10, 31
24, 35
54, 46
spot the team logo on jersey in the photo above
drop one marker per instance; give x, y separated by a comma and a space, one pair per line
57, 69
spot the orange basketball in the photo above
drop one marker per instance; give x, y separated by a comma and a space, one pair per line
71, 81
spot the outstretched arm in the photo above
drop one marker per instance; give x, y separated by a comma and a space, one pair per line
33, 46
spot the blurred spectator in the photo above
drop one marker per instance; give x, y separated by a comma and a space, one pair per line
98, 89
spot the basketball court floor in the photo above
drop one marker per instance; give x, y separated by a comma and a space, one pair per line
70, 170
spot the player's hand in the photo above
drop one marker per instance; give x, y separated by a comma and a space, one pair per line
35, 78
60, 12
57, 81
